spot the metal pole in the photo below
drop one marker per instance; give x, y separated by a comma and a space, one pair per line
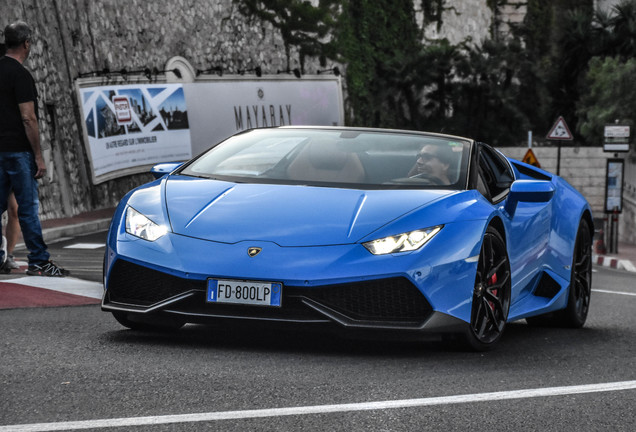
611, 234
615, 245
559, 158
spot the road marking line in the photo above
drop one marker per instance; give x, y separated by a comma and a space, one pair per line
614, 292
68, 285
85, 246
321, 409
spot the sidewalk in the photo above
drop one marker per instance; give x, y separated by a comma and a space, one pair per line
625, 259
18, 290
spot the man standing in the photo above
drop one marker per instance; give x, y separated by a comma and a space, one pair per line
21, 161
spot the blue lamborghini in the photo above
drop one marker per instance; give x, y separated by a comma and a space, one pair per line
385, 232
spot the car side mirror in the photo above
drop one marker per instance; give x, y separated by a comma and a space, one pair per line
162, 169
537, 191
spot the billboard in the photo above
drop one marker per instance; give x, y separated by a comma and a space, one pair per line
130, 127
220, 107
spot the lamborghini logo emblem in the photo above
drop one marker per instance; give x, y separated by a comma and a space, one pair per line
253, 251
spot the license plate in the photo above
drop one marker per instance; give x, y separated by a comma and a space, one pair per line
244, 292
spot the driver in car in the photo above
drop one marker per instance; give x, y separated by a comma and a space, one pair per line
432, 164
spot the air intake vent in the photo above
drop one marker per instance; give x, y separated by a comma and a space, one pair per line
394, 299
547, 287
137, 285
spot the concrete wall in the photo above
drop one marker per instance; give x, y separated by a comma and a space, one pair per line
627, 226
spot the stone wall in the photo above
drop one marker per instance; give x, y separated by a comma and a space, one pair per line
460, 20
79, 36
74, 37
605, 5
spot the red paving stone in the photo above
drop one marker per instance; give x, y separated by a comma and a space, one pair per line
13, 296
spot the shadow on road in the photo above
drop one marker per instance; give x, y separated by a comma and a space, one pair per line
519, 337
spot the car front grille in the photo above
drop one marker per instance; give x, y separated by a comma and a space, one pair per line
392, 300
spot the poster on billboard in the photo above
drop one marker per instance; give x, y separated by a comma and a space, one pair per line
130, 127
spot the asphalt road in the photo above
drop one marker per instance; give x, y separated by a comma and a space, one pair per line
71, 364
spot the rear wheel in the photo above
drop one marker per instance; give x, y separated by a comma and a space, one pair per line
491, 294
143, 324
575, 313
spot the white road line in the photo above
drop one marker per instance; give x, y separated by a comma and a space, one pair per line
68, 285
614, 292
85, 246
321, 409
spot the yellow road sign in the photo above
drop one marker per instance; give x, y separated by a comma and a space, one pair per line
531, 159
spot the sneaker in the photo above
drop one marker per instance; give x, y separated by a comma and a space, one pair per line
4, 268
10, 263
3, 246
48, 268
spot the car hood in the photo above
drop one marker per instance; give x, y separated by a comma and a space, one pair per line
288, 215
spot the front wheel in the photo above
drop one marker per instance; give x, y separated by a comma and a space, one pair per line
491, 294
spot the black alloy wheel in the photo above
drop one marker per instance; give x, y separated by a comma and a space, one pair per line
575, 313
491, 294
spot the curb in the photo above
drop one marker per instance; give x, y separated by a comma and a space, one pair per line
613, 262
52, 234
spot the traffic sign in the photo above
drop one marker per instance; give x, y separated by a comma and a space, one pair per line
616, 131
616, 138
531, 159
560, 131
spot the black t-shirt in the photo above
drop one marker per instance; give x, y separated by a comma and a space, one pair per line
16, 86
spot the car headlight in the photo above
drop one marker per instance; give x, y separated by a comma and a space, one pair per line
142, 227
406, 242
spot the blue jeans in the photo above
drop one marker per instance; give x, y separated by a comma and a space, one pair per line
17, 173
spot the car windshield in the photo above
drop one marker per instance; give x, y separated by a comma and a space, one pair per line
338, 158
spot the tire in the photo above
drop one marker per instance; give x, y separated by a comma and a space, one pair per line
575, 313
124, 318
491, 294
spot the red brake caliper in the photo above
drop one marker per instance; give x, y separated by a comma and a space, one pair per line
491, 282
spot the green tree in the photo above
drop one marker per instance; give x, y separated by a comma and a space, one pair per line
623, 23
610, 95
559, 37
376, 38
486, 99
